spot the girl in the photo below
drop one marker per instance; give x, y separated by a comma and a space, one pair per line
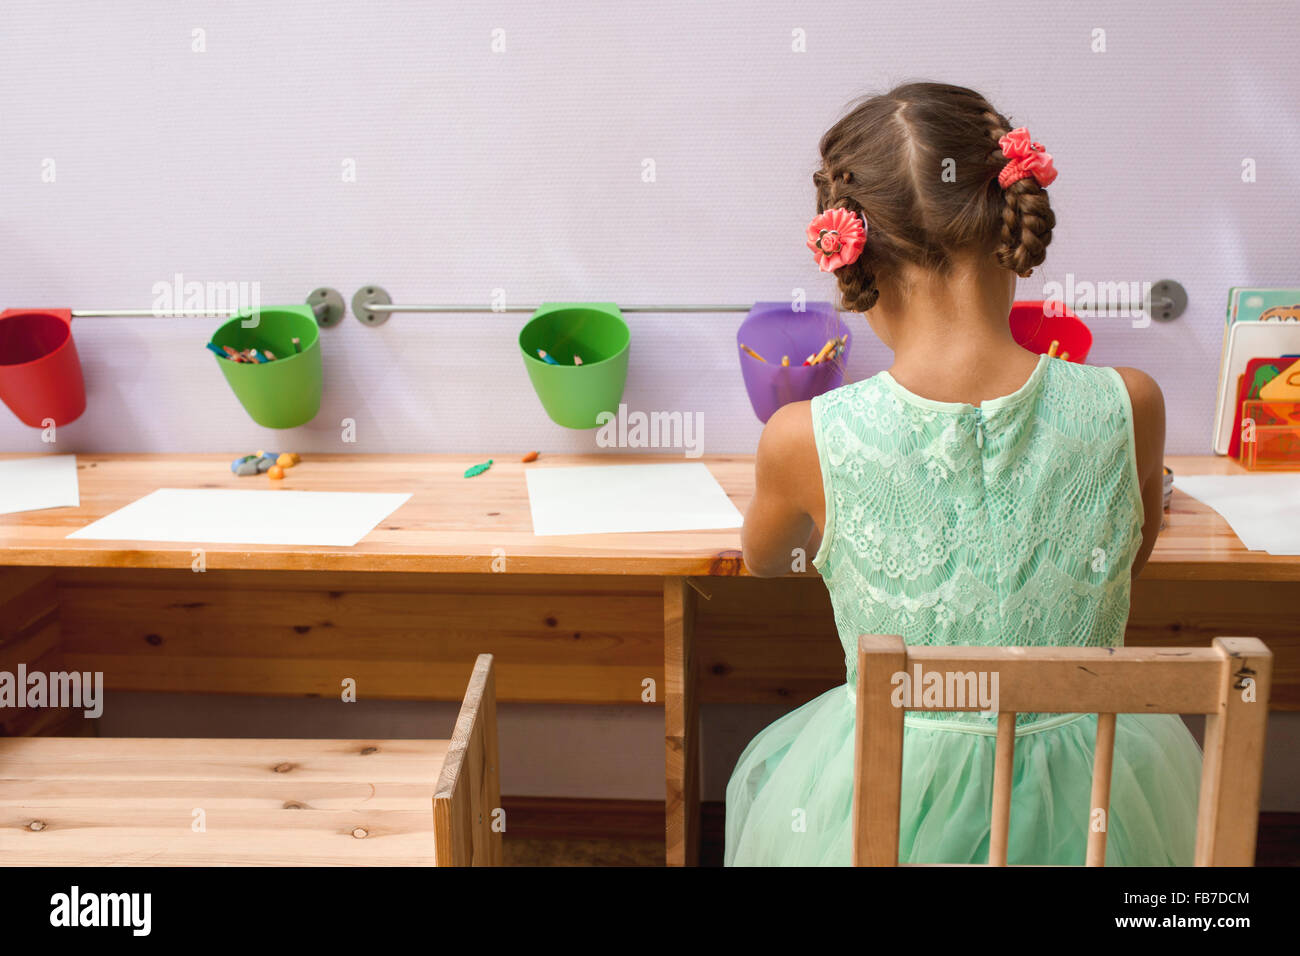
973, 493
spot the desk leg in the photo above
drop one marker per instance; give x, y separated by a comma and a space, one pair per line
681, 724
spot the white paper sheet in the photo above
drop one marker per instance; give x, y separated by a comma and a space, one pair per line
1263, 510
227, 516
31, 484
607, 499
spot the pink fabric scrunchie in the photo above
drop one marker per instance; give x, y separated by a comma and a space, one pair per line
1024, 158
837, 238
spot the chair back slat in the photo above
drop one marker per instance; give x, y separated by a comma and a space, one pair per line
1103, 757
1004, 762
1228, 814
879, 749
1229, 682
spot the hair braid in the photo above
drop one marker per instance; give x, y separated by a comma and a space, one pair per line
1027, 217
857, 280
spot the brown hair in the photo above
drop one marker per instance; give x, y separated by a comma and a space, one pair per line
890, 158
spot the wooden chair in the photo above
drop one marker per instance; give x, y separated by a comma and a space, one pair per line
1104, 681
178, 801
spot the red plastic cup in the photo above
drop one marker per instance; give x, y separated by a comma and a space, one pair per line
40, 373
1036, 324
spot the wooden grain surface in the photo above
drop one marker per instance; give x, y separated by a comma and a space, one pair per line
461, 525
132, 801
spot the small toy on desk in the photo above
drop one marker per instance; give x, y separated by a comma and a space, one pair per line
264, 462
531, 456
473, 470
245, 465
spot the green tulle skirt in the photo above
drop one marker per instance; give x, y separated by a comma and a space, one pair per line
790, 796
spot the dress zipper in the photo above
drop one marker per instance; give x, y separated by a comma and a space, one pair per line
979, 428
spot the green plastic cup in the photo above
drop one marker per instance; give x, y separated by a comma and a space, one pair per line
283, 393
572, 394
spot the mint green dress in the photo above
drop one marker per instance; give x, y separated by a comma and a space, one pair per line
1012, 522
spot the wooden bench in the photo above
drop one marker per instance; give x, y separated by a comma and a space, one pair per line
1229, 683
180, 801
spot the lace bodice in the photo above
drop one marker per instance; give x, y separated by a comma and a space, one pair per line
1012, 522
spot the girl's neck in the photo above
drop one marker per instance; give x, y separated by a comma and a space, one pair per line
950, 334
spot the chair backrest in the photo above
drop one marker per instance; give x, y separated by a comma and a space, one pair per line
467, 797
1228, 682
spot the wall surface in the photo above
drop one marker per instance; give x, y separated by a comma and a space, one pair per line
523, 170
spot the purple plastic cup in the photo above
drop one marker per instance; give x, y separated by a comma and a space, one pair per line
774, 329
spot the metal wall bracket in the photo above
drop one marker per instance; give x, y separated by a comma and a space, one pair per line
367, 296
328, 305
1168, 300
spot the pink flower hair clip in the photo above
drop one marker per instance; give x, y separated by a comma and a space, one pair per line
1024, 158
837, 238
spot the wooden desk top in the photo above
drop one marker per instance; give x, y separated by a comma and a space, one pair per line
454, 524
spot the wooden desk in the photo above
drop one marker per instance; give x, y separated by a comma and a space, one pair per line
657, 618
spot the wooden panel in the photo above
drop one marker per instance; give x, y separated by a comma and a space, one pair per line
681, 723
766, 641
1181, 613
30, 635
775, 641
468, 793
66, 801
591, 640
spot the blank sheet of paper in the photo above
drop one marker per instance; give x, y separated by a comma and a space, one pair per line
32, 484
226, 516
606, 499
1263, 510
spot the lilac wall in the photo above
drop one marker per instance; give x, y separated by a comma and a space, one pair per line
522, 170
